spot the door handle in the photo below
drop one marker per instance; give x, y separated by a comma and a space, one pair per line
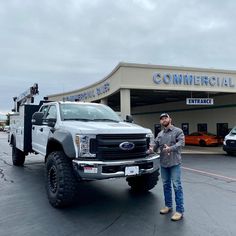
41, 129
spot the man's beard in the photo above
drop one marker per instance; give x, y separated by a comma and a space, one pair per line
166, 124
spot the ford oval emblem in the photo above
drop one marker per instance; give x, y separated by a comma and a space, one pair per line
127, 146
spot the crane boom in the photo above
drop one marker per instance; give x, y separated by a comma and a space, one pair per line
26, 97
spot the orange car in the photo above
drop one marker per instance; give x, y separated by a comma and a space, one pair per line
203, 139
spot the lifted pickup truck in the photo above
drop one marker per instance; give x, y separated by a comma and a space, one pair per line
82, 141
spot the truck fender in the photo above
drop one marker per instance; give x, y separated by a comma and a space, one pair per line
64, 138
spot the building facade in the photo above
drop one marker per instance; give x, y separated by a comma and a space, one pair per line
197, 99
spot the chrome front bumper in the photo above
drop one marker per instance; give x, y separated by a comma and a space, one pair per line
93, 170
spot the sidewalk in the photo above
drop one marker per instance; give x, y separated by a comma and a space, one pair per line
202, 150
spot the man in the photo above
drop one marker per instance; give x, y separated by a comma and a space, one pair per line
170, 142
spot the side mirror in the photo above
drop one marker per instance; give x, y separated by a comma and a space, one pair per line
129, 119
51, 122
37, 118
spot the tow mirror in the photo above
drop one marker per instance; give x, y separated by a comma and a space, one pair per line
37, 118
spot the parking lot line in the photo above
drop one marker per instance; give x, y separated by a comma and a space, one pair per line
209, 174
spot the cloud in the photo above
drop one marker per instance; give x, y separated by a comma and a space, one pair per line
64, 45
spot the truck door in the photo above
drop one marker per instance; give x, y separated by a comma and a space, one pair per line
46, 130
37, 132
43, 131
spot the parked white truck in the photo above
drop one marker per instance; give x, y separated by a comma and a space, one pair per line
82, 141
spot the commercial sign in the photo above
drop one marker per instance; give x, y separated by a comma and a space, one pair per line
199, 101
93, 93
193, 80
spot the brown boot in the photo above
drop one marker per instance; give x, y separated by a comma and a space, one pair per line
165, 210
177, 216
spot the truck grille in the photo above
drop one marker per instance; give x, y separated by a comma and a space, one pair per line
231, 143
107, 146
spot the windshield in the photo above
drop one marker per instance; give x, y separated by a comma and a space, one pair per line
209, 134
88, 112
233, 131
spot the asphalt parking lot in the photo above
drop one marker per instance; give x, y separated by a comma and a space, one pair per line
110, 208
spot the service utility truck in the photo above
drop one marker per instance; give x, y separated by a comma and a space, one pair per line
80, 141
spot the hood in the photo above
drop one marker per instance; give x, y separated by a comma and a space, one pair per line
231, 136
92, 127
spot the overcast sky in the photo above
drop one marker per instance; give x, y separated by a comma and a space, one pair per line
65, 45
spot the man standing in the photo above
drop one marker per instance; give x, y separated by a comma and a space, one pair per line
170, 142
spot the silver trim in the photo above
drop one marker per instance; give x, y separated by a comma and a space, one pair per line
98, 165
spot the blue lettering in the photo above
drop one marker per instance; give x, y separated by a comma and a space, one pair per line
205, 80
225, 82
231, 84
212, 81
156, 78
188, 79
177, 79
197, 80
167, 79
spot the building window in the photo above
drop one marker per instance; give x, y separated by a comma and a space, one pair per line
202, 127
185, 128
222, 129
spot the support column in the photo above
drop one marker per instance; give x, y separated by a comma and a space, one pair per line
125, 103
104, 101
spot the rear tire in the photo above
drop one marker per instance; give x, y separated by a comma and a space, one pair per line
143, 183
61, 182
202, 143
18, 157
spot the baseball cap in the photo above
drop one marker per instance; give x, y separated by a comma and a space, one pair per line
164, 115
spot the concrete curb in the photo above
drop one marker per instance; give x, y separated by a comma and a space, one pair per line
203, 150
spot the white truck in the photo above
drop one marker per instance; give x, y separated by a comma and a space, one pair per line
82, 141
229, 144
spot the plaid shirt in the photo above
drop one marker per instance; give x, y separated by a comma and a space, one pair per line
174, 138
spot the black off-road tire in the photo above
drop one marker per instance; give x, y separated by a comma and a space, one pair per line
18, 157
61, 182
143, 183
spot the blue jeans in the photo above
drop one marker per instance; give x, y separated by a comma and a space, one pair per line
168, 175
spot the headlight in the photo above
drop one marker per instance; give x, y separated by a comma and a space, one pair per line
150, 138
224, 142
83, 144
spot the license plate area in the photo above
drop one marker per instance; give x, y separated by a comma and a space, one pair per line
131, 170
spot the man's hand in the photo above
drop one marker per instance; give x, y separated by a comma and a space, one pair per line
167, 149
150, 150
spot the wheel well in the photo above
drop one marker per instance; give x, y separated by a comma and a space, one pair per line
53, 145
202, 142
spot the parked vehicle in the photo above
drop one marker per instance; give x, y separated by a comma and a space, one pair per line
6, 128
82, 141
203, 139
229, 144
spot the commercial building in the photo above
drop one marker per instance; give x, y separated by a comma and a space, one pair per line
197, 99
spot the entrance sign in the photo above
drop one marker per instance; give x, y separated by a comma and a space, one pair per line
199, 101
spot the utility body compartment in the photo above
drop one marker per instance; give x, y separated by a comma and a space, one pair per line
21, 126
